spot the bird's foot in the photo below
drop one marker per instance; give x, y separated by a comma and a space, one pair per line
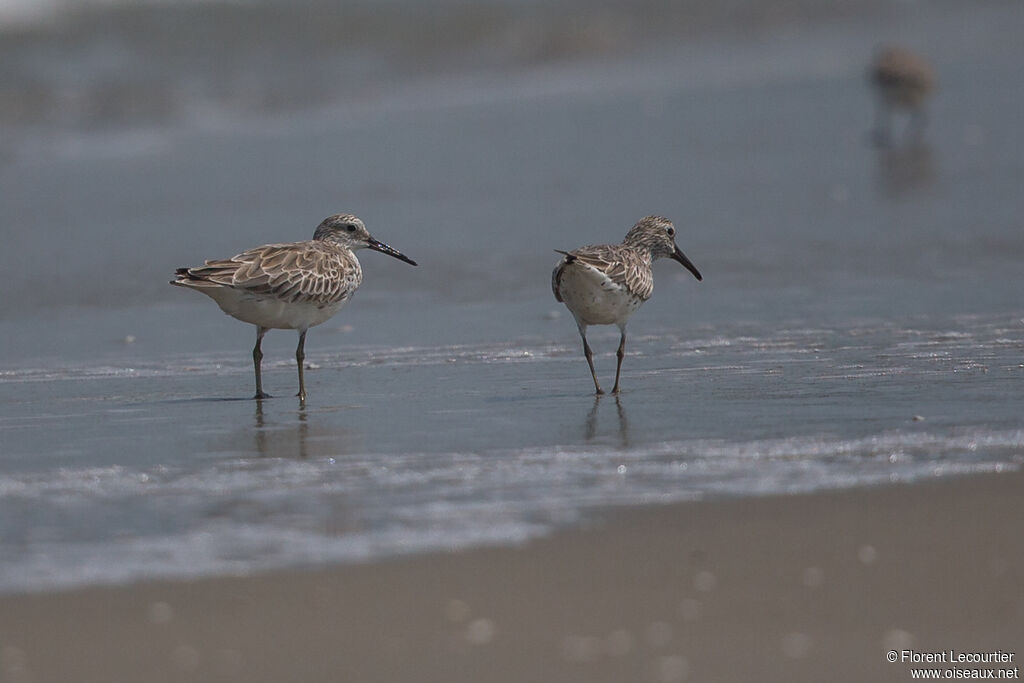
261, 395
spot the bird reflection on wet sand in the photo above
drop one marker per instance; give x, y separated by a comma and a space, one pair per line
904, 170
296, 438
277, 443
590, 425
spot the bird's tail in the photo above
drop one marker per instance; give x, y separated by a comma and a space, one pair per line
569, 258
182, 276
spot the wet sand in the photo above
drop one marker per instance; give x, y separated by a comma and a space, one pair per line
793, 588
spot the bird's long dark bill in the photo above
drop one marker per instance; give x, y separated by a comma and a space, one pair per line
681, 257
385, 249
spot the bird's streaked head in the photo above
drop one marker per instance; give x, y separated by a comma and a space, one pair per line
658, 235
350, 232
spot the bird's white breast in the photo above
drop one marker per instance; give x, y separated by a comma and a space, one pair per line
594, 298
270, 312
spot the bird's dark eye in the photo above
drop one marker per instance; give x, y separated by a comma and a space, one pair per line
350, 227
671, 231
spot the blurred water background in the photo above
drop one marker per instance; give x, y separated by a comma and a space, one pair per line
860, 320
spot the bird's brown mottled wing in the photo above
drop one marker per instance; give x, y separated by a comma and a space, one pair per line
301, 271
619, 265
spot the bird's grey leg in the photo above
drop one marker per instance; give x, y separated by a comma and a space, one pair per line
619, 355
300, 357
257, 360
590, 357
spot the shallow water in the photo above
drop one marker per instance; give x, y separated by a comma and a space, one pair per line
860, 320
114, 473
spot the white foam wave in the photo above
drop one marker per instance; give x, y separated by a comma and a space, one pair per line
245, 515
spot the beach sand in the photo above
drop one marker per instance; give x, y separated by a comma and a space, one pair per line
791, 588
